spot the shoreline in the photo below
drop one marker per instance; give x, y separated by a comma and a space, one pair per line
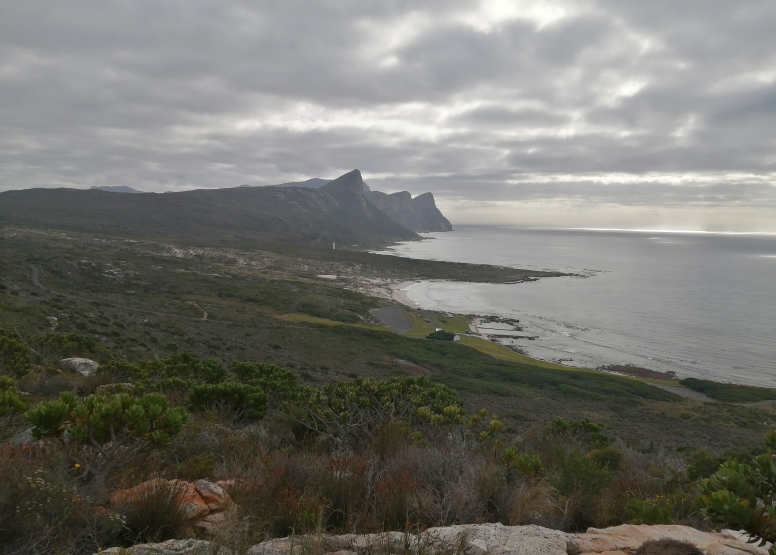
658, 378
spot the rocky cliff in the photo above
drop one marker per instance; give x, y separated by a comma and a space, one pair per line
418, 214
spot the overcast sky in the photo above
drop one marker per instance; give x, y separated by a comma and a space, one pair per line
640, 114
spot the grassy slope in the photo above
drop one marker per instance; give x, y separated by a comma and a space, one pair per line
456, 324
730, 393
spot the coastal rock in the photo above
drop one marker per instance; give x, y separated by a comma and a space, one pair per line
626, 539
170, 547
83, 366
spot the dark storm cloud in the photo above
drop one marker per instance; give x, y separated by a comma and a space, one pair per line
630, 103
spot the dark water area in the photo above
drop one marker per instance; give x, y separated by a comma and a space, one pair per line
702, 305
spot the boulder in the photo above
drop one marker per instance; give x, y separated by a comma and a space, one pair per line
626, 539
497, 539
471, 539
83, 366
206, 505
214, 495
170, 547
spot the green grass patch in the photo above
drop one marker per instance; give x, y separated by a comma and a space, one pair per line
325, 321
456, 324
499, 351
420, 328
730, 393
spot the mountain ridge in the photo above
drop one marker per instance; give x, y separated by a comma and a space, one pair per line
340, 213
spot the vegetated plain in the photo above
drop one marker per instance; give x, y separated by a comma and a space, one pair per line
622, 451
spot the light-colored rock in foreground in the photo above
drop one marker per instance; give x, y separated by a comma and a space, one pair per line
625, 539
83, 366
171, 547
473, 539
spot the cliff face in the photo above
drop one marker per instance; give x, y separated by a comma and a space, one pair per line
418, 214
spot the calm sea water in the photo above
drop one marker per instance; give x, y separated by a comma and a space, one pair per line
702, 305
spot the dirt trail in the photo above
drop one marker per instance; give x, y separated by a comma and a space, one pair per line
204, 312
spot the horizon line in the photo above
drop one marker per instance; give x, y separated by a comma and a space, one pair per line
685, 231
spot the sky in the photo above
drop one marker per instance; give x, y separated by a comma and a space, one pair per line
606, 114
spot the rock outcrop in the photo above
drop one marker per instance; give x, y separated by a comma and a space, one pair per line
171, 547
626, 539
419, 214
477, 539
83, 366
205, 504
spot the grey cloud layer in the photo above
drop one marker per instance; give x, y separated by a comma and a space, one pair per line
485, 100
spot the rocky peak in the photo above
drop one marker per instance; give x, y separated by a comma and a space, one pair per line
418, 214
350, 182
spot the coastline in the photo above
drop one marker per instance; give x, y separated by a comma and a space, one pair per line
474, 338
399, 293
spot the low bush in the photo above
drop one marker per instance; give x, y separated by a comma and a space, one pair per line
235, 402
102, 433
14, 357
11, 401
743, 496
349, 415
441, 335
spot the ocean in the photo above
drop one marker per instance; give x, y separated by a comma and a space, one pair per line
699, 304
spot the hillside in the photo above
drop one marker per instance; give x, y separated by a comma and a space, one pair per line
337, 212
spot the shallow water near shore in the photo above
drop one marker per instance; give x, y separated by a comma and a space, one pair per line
702, 305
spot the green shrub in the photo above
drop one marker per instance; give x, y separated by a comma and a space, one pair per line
67, 344
743, 496
441, 335
237, 402
350, 414
580, 475
11, 401
281, 383
648, 511
182, 366
585, 431
14, 357
607, 457
110, 431
524, 463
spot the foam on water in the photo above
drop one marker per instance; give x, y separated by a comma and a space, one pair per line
699, 304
